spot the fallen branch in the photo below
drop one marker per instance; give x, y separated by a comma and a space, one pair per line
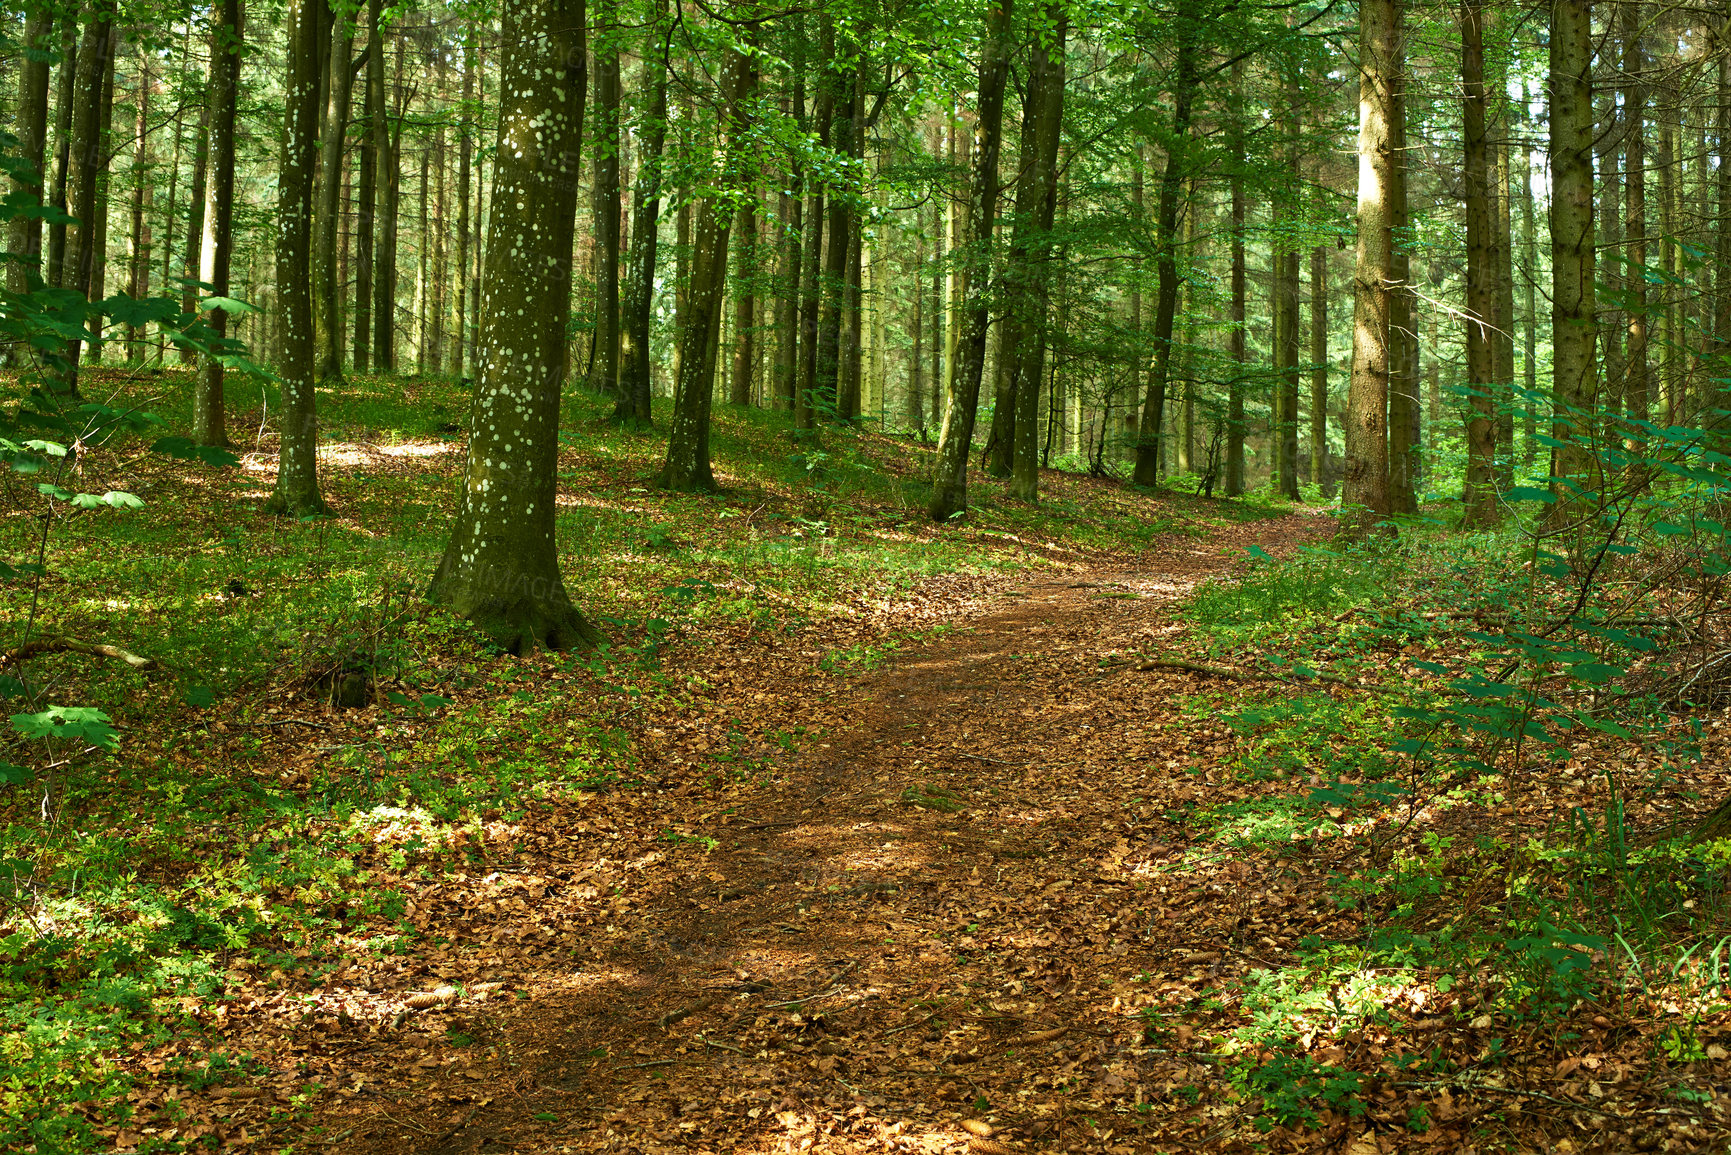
71, 646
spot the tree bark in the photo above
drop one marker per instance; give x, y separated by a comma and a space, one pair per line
1235, 351
805, 406
1635, 376
501, 566
745, 308
1187, 49
950, 480
687, 466
465, 152
327, 305
24, 233
1286, 340
830, 382
1574, 320
367, 195
1481, 492
1403, 384
604, 361
65, 90
1319, 367
1001, 441
216, 240
198, 201
85, 163
1364, 489
1031, 260
138, 241
638, 308
389, 178
789, 226
297, 482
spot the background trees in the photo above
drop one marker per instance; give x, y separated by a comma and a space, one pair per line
1115, 249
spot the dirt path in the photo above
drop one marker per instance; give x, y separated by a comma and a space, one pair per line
947, 907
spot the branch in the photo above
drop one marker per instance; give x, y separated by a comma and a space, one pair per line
68, 645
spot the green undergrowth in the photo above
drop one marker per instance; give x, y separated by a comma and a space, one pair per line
175, 850
1481, 746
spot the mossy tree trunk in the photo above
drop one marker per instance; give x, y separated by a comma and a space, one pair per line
501, 566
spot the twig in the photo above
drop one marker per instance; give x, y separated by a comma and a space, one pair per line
724, 1046
771, 825
910, 1026
286, 722
686, 1011
1242, 675
994, 761
654, 1063
807, 999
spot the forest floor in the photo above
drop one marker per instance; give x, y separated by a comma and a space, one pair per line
862, 835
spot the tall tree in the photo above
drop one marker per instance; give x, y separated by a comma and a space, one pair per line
1319, 366
950, 478
1635, 385
297, 480
65, 88
366, 211
604, 356
1285, 302
1481, 311
639, 302
1187, 48
1364, 489
86, 162
138, 242
1032, 257
24, 233
388, 145
465, 150
500, 568
687, 465
1235, 351
1574, 320
337, 83
216, 244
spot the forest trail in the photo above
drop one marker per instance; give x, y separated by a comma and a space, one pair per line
949, 907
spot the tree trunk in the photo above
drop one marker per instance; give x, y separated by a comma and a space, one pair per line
388, 161
1001, 441
830, 382
1187, 47
950, 480
745, 307
465, 151
1403, 384
1235, 351
1034, 254
687, 465
501, 566
423, 242
805, 406
297, 483
366, 209
1635, 377
436, 259
604, 360
637, 314
1364, 488
1530, 307
85, 163
98, 284
1481, 492
198, 199
138, 241
1319, 367
1286, 340
216, 242
1574, 321
65, 89
24, 233
327, 306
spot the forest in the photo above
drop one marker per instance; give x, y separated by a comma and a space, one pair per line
713, 575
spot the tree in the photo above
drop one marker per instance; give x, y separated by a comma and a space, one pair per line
1481, 311
86, 162
1187, 48
604, 352
227, 38
638, 305
297, 481
24, 233
337, 83
1574, 320
500, 568
1364, 488
687, 463
950, 478
374, 148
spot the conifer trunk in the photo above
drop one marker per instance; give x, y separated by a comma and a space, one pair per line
327, 304
65, 88
1574, 321
24, 233
1481, 318
84, 165
636, 382
1364, 490
366, 210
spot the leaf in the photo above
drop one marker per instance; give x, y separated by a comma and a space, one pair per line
199, 697
72, 723
13, 775
1531, 493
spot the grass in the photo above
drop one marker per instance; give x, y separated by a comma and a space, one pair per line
140, 887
